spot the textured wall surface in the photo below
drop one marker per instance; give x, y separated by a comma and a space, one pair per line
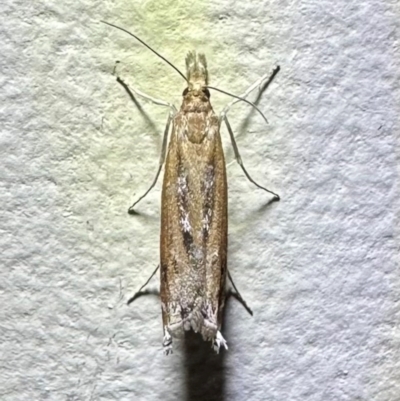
318, 268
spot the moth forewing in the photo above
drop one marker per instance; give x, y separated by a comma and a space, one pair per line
193, 243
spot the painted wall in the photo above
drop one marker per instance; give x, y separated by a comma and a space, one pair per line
318, 268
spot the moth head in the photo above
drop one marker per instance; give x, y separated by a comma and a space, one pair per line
196, 69
197, 74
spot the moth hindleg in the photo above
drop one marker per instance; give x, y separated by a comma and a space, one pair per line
218, 342
167, 342
137, 293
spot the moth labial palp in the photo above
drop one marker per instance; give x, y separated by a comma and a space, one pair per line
194, 220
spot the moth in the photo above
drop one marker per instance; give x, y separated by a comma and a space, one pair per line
194, 211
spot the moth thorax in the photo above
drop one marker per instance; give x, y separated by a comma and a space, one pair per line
196, 70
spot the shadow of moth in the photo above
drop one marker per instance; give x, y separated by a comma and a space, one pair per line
194, 221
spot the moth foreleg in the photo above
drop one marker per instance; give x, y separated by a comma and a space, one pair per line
259, 84
133, 91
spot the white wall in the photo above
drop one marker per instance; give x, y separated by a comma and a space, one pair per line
318, 268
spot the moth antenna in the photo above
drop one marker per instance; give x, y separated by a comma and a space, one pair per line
145, 44
240, 98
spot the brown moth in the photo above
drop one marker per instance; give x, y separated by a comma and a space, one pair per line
194, 216
194, 221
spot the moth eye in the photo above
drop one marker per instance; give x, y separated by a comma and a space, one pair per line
206, 92
185, 92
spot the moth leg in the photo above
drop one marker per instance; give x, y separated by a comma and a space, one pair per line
261, 86
238, 296
172, 112
239, 159
167, 342
138, 293
144, 96
218, 342
160, 163
268, 78
132, 91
